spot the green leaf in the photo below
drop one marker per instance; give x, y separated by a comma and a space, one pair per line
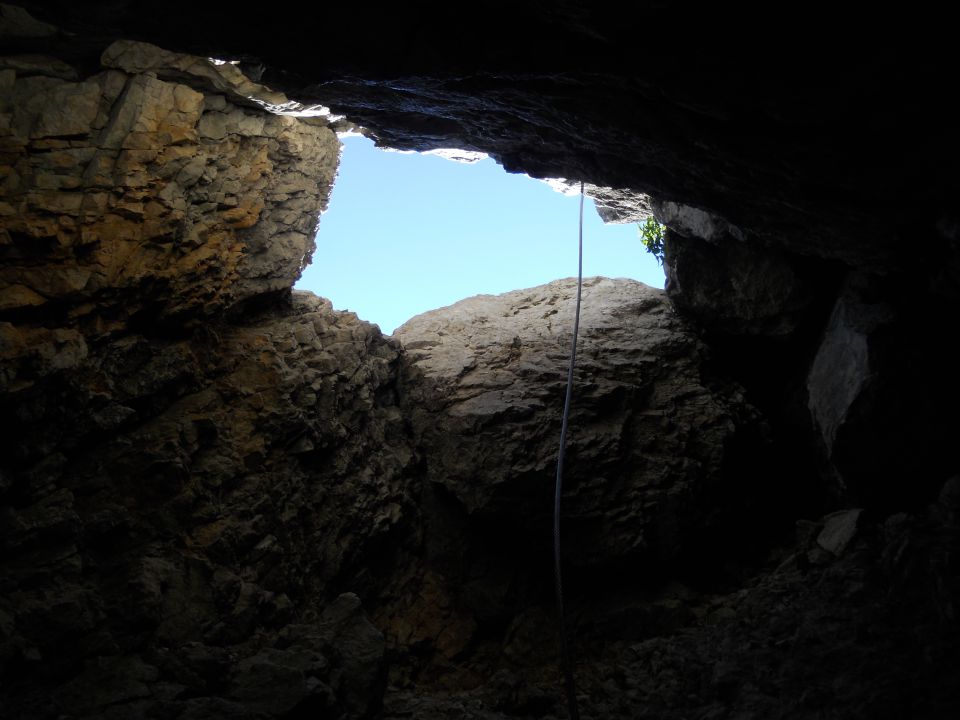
651, 235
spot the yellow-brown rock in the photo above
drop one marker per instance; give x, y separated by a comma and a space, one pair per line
142, 191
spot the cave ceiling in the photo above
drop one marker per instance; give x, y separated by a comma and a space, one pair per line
828, 136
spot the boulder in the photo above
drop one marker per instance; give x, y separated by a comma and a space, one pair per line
648, 431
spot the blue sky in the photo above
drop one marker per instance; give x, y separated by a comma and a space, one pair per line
405, 233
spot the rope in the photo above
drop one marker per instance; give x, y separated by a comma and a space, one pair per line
566, 665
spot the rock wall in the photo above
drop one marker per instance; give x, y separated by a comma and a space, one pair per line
650, 449
650, 434
221, 499
171, 546
129, 199
176, 537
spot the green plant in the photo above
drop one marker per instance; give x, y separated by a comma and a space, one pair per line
651, 235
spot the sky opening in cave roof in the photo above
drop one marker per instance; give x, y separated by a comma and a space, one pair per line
409, 232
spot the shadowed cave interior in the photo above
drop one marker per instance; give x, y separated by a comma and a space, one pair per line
220, 498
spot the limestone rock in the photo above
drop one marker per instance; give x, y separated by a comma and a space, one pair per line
613, 205
136, 58
200, 477
228, 77
28, 354
131, 198
842, 370
839, 529
691, 221
754, 651
647, 434
880, 393
178, 487
15, 22
620, 205
180, 516
735, 288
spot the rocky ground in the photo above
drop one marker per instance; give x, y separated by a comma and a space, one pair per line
851, 620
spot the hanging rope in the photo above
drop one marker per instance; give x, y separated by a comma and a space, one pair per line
569, 683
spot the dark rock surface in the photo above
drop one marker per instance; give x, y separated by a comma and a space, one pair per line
183, 511
735, 290
882, 392
860, 633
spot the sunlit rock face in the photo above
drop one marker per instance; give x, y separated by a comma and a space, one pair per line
135, 197
490, 371
221, 499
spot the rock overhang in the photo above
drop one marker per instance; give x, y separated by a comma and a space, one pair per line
757, 128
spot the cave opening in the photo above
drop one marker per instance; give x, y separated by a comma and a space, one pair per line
410, 232
218, 498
